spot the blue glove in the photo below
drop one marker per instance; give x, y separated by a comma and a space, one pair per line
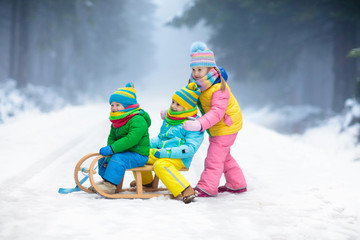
106, 151
160, 153
155, 152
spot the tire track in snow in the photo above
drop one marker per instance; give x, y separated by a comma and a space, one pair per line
51, 158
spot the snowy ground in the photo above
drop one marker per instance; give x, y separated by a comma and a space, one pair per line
299, 187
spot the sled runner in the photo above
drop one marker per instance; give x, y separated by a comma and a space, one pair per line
138, 192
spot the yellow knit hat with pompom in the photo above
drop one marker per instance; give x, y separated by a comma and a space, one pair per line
187, 96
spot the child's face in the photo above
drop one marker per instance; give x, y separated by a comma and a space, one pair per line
115, 106
199, 72
176, 107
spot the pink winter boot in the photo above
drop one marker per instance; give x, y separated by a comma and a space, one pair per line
227, 189
202, 193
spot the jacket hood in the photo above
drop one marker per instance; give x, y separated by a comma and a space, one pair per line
146, 116
223, 73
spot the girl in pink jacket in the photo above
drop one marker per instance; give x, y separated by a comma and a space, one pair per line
221, 117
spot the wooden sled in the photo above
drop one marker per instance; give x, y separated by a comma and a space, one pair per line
138, 192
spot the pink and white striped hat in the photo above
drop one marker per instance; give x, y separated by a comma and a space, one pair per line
201, 56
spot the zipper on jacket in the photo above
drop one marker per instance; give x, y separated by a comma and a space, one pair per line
181, 142
167, 133
169, 130
200, 107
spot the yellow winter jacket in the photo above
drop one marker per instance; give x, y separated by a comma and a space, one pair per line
229, 123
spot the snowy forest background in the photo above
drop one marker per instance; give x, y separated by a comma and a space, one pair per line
281, 55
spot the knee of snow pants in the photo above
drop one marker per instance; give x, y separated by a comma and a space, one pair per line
217, 160
167, 169
118, 164
101, 168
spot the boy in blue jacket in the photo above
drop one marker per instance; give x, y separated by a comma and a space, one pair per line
175, 147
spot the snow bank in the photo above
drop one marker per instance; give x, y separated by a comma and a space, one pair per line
14, 101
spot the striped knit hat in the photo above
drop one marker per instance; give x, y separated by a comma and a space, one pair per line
126, 95
201, 56
187, 96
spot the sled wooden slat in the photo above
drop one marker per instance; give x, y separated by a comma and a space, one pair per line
139, 190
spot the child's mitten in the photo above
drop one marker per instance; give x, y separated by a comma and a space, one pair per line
163, 113
161, 153
106, 151
155, 152
192, 125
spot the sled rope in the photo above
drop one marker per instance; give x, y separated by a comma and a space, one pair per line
76, 188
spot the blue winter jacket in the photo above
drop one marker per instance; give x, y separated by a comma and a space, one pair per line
177, 142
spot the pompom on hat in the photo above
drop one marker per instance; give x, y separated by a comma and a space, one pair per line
187, 96
126, 95
201, 56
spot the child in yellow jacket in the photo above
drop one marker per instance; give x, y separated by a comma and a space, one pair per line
222, 118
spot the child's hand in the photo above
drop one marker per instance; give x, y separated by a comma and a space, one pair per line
192, 125
163, 113
160, 153
155, 152
106, 151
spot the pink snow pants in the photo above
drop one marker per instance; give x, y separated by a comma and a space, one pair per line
219, 161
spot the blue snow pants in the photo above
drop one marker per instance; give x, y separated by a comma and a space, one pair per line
118, 164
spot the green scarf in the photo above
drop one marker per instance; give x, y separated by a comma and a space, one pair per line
176, 118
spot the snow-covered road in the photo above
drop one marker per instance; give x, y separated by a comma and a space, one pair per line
297, 187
